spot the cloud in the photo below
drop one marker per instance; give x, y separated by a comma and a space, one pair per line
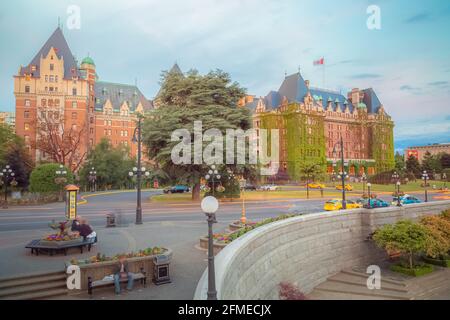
421, 17
407, 87
366, 76
438, 83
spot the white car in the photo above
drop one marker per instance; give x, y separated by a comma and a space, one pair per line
269, 187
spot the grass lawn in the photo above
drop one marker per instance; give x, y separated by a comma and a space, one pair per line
411, 186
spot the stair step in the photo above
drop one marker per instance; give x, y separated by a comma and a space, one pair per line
360, 281
329, 295
33, 280
38, 295
360, 290
42, 287
31, 275
366, 275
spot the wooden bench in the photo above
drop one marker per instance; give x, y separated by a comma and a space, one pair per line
36, 246
141, 276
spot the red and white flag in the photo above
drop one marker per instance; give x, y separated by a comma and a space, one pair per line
319, 62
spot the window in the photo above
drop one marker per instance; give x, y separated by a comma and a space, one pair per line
91, 120
43, 102
27, 102
74, 104
27, 139
26, 114
52, 78
27, 126
46, 78
91, 130
109, 132
27, 89
74, 127
50, 89
74, 91
74, 115
52, 66
56, 78
56, 102
50, 102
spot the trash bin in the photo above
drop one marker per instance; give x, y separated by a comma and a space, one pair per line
161, 269
110, 220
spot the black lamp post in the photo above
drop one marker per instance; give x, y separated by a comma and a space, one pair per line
210, 205
444, 177
212, 175
61, 179
364, 179
6, 174
93, 179
368, 193
137, 137
425, 181
342, 174
399, 204
138, 172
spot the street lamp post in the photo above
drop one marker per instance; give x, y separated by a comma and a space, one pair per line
137, 137
242, 184
444, 177
212, 175
210, 205
138, 172
343, 174
425, 181
93, 179
368, 193
61, 179
399, 204
364, 179
6, 173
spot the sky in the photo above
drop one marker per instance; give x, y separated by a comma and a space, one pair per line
406, 61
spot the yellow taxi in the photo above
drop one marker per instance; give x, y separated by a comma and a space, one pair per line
347, 187
336, 204
314, 185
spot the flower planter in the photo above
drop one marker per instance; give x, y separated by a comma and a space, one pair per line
234, 226
217, 247
98, 270
57, 244
437, 262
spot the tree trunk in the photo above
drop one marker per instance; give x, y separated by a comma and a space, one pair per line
410, 260
196, 191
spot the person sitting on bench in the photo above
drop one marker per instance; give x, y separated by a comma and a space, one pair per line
86, 231
76, 224
121, 272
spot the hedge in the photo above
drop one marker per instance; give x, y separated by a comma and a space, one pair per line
43, 177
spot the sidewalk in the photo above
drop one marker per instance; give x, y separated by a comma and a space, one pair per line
187, 265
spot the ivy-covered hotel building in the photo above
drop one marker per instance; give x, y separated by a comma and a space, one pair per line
311, 122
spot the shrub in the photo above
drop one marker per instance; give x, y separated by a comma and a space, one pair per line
405, 236
288, 291
417, 271
43, 177
438, 231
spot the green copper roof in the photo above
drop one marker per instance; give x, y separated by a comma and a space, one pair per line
337, 100
88, 60
362, 105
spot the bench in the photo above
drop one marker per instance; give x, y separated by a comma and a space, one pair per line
141, 276
36, 246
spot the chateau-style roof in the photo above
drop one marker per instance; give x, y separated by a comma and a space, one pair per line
117, 94
294, 89
88, 60
59, 43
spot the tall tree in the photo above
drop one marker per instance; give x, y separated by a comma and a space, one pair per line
399, 162
445, 160
111, 165
62, 145
413, 166
431, 163
211, 99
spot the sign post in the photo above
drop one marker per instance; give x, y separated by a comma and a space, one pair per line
71, 202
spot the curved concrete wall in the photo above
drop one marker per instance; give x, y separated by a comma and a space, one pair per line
303, 250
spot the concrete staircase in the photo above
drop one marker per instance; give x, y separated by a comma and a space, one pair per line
351, 285
33, 286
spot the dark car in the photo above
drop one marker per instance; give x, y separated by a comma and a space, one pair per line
177, 189
250, 187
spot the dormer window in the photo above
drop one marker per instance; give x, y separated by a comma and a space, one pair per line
52, 66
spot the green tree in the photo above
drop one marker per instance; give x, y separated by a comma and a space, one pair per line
445, 160
43, 178
413, 166
399, 162
111, 164
7, 138
431, 163
438, 243
211, 99
405, 236
21, 163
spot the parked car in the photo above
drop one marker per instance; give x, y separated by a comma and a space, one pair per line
250, 187
336, 204
314, 185
347, 187
375, 203
406, 199
269, 187
177, 189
